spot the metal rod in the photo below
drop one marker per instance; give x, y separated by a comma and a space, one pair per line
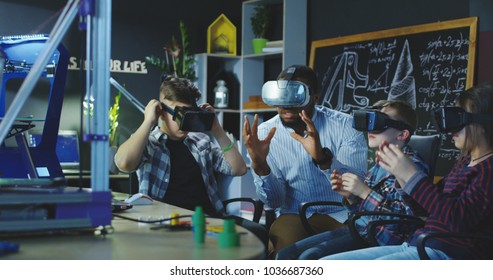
100, 150
128, 95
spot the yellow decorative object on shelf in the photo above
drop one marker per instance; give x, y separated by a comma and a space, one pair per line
221, 36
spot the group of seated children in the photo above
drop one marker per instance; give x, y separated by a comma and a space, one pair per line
309, 152
458, 203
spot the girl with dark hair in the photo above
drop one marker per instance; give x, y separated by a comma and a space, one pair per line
462, 200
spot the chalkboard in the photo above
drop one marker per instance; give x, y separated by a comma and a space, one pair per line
427, 65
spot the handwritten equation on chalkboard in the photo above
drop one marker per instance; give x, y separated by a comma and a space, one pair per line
426, 65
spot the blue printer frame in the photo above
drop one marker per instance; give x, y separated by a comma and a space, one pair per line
23, 50
33, 203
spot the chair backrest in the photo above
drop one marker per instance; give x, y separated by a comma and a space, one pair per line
428, 147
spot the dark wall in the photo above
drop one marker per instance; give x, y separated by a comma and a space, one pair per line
333, 18
484, 9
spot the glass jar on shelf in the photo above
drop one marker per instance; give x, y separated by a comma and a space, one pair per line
221, 95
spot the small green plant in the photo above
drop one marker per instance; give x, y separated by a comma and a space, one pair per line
177, 61
260, 21
113, 116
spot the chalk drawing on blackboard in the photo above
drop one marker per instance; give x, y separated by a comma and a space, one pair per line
403, 85
343, 74
381, 83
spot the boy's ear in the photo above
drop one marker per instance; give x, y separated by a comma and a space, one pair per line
404, 135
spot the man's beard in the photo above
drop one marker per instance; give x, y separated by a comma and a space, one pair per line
299, 124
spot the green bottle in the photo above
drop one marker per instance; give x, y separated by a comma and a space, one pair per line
198, 223
229, 237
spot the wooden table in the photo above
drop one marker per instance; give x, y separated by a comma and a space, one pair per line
135, 240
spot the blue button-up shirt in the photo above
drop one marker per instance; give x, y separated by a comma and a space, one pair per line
294, 178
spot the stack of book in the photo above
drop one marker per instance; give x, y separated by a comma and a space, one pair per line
255, 102
273, 46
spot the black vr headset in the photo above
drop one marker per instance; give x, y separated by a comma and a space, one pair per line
453, 119
375, 121
191, 118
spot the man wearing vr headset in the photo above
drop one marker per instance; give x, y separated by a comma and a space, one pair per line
176, 162
293, 154
389, 121
459, 203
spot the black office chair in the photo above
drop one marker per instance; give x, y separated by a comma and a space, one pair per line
404, 225
258, 206
427, 146
304, 207
422, 238
415, 223
253, 225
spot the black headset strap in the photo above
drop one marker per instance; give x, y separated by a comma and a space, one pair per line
399, 125
168, 109
289, 73
478, 118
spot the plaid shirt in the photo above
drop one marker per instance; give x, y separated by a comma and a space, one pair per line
387, 198
154, 168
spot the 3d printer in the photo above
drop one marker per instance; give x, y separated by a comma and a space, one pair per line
33, 192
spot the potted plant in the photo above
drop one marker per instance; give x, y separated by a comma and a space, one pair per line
178, 61
260, 22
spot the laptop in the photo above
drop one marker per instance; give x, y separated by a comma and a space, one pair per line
67, 149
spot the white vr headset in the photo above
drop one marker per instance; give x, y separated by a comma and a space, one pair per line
286, 93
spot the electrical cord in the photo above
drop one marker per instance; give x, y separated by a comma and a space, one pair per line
178, 227
150, 221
